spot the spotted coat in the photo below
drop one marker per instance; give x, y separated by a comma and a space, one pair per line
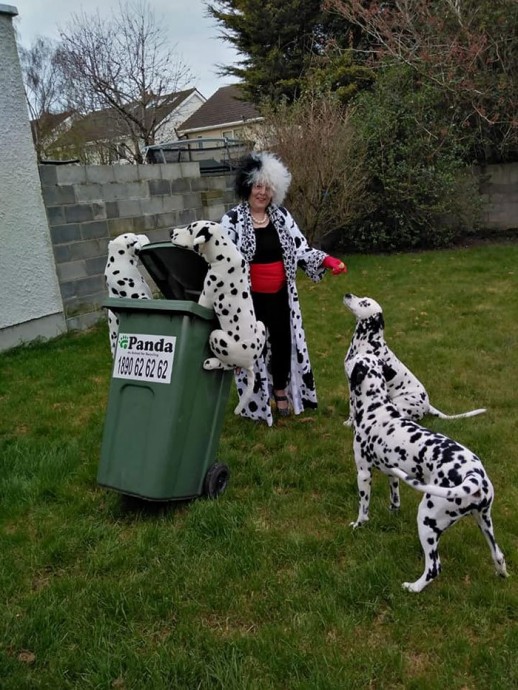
296, 253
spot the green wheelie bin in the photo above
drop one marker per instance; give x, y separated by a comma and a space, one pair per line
165, 412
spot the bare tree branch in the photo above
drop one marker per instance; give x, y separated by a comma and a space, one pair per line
124, 65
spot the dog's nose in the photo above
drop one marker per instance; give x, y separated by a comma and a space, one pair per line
171, 232
347, 295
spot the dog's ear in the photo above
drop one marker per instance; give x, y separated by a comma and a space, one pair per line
388, 372
202, 235
358, 373
379, 321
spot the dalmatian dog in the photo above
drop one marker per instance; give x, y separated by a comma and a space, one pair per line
123, 277
239, 341
405, 390
451, 477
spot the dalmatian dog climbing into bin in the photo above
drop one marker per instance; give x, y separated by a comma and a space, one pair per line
240, 339
123, 276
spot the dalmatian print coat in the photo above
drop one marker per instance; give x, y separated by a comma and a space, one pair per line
296, 253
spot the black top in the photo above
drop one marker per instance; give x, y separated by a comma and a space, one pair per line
267, 245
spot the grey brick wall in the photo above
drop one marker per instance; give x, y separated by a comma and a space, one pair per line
89, 205
499, 189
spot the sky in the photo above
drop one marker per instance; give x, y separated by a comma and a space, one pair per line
193, 36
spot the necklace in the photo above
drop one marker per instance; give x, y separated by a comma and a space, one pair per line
262, 221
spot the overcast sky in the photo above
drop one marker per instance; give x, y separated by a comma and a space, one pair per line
194, 36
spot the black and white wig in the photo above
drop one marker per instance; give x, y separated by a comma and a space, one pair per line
262, 168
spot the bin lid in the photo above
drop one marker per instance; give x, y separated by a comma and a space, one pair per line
178, 273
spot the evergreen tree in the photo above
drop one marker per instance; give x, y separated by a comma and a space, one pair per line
277, 40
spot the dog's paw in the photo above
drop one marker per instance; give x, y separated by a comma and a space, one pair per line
213, 363
412, 586
501, 569
348, 422
357, 523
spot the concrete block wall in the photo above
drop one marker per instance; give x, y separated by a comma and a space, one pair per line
499, 188
87, 206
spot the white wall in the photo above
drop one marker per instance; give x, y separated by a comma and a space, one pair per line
30, 300
181, 114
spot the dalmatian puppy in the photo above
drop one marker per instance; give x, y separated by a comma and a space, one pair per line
239, 341
451, 477
123, 277
405, 390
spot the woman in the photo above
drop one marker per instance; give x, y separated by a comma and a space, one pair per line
270, 241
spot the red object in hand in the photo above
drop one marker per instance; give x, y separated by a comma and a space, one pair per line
335, 265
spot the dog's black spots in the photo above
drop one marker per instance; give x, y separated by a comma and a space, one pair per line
123, 293
430, 522
220, 257
415, 437
245, 294
233, 292
454, 476
121, 251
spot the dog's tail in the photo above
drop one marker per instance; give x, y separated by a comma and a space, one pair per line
250, 379
437, 413
469, 486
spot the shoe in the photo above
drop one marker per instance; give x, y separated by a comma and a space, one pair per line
282, 411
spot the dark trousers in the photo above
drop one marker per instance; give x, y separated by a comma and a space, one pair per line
273, 310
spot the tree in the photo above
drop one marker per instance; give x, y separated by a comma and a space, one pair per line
467, 48
419, 192
43, 90
313, 136
124, 66
276, 41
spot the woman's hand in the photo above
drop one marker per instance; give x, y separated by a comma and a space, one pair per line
336, 265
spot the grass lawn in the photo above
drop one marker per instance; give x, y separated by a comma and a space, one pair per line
267, 587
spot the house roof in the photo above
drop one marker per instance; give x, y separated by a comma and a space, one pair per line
224, 107
49, 122
107, 124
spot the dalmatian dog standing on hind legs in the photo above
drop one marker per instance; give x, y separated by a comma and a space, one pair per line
240, 339
405, 390
452, 478
123, 277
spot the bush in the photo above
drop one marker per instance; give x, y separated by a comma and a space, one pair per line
314, 138
418, 192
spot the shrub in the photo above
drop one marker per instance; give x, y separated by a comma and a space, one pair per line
314, 137
418, 192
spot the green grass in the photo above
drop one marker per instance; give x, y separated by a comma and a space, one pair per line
267, 588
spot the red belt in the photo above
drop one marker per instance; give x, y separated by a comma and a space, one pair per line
267, 277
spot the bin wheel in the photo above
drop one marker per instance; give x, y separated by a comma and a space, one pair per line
216, 480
